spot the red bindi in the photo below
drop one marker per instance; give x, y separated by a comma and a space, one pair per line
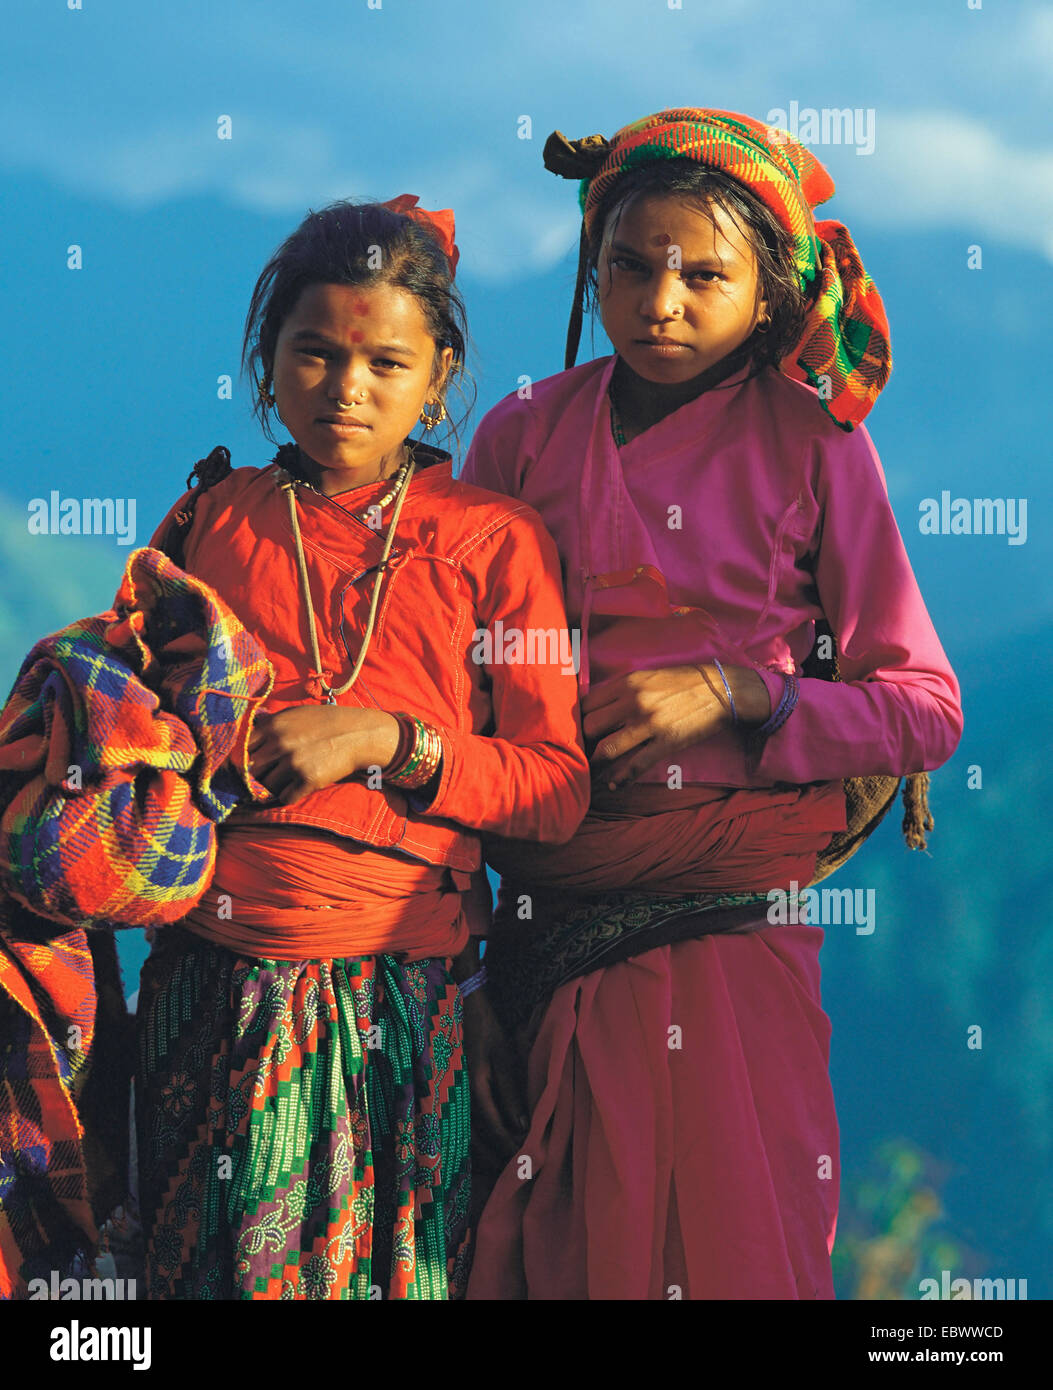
662, 239
357, 335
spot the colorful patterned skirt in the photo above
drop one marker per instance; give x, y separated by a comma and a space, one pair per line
303, 1126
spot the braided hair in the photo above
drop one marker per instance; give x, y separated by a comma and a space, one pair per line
212, 469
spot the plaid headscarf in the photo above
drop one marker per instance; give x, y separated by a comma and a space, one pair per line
844, 350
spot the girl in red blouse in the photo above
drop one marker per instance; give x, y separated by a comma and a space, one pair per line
302, 1099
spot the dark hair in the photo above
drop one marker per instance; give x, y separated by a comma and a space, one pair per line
777, 279
350, 243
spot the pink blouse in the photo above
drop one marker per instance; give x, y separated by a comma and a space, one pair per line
725, 531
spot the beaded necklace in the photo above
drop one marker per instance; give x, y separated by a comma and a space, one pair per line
289, 483
398, 478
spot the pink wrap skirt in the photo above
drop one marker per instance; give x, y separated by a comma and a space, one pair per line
683, 1140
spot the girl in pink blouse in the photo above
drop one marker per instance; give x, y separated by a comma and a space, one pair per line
713, 496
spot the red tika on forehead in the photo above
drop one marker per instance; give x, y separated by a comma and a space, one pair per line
845, 350
771, 164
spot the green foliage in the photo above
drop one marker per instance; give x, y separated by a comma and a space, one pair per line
891, 1229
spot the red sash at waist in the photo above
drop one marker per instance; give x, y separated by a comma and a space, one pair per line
294, 893
694, 839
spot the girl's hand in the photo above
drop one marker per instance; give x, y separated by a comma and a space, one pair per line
637, 721
303, 749
500, 1113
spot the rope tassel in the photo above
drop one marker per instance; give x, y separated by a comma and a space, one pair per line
917, 818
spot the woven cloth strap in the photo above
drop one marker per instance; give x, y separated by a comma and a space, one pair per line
570, 937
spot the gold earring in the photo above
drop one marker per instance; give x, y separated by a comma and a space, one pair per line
429, 421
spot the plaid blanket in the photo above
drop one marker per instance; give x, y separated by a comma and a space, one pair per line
123, 744
67, 1041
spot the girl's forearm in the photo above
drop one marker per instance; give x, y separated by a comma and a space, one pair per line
748, 690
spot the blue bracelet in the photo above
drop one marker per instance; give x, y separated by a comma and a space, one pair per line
731, 698
791, 691
473, 982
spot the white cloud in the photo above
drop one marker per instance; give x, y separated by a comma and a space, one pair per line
319, 115
507, 226
1035, 42
929, 169
947, 169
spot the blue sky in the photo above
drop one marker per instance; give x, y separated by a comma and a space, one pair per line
120, 102
108, 140
110, 115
